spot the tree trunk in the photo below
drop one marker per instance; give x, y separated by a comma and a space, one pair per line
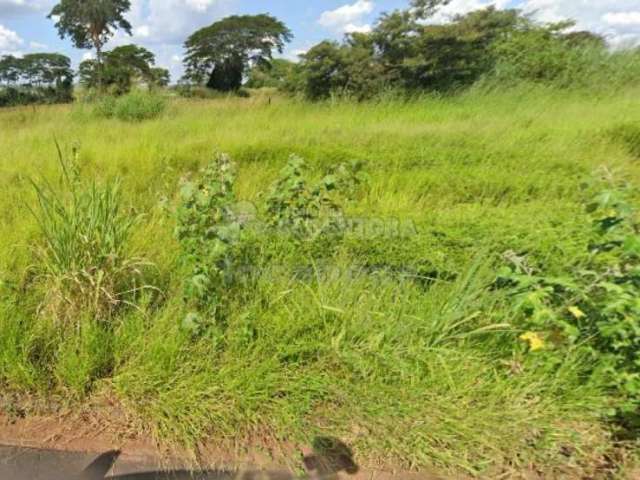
99, 75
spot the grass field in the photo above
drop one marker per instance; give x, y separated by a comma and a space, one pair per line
404, 351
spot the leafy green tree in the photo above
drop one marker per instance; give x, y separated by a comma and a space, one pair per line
121, 68
545, 54
35, 78
585, 38
395, 39
48, 69
366, 77
10, 69
324, 70
90, 23
160, 77
405, 53
457, 54
219, 55
426, 8
272, 75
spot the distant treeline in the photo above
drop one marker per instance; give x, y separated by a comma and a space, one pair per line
41, 78
406, 53
35, 78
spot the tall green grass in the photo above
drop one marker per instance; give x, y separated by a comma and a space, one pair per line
397, 345
83, 265
132, 107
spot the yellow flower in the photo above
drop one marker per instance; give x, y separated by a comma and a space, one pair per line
577, 313
534, 341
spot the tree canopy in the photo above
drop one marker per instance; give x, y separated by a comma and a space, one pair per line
405, 53
35, 78
121, 67
221, 54
90, 23
273, 75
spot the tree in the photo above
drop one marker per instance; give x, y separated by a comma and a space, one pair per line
48, 69
585, 39
121, 67
220, 54
544, 54
160, 77
457, 54
324, 70
10, 69
90, 23
35, 78
422, 9
273, 75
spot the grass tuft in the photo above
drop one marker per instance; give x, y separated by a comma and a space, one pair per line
84, 266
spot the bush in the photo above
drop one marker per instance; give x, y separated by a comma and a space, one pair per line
205, 93
307, 211
594, 306
208, 231
133, 107
217, 236
16, 96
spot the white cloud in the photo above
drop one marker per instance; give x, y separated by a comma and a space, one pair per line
11, 7
172, 21
88, 56
460, 7
348, 18
143, 31
10, 41
352, 28
37, 46
200, 5
617, 20
293, 55
622, 18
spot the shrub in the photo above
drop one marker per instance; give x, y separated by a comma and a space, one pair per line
208, 231
295, 206
83, 265
133, 107
219, 242
594, 306
15, 96
205, 93
104, 106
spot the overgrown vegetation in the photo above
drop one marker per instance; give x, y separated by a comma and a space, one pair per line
121, 69
448, 283
265, 296
491, 47
594, 305
133, 107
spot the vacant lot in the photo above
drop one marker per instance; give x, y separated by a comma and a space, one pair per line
394, 335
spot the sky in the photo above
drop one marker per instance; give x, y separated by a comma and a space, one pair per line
163, 25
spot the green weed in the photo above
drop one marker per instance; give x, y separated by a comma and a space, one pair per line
594, 305
83, 264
